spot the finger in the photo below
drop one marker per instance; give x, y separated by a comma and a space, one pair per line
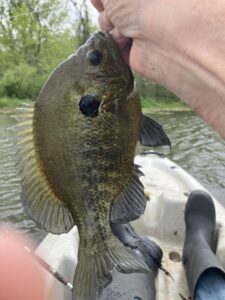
104, 22
124, 44
98, 5
120, 39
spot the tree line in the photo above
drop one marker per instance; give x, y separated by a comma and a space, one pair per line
35, 36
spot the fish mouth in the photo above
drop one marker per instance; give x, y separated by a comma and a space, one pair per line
103, 35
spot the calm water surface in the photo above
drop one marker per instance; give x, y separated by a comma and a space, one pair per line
195, 146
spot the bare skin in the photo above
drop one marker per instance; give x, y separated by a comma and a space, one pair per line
179, 44
20, 278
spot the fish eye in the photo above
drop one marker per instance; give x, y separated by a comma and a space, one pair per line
89, 105
94, 57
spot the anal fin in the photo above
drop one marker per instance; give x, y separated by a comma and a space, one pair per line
131, 203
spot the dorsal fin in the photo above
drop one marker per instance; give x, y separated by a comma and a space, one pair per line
152, 133
38, 199
131, 203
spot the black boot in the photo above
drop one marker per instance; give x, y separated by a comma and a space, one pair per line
135, 286
140, 246
201, 238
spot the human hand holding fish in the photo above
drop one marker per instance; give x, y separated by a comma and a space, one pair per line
178, 44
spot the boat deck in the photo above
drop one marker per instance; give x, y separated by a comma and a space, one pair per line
167, 186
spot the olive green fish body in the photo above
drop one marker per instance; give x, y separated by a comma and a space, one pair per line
84, 157
76, 149
88, 161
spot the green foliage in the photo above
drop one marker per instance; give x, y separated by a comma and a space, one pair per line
147, 102
35, 36
83, 24
22, 81
153, 94
31, 44
11, 103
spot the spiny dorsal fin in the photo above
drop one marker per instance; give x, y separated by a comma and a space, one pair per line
131, 204
39, 201
152, 133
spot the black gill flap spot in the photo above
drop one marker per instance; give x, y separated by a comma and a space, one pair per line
89, 105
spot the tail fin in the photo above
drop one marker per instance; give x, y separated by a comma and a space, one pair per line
94, 268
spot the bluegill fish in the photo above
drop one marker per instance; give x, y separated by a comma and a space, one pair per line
76, 149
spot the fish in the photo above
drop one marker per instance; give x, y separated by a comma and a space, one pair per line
76, 148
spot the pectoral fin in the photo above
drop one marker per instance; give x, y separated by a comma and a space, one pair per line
152, 133
131, 204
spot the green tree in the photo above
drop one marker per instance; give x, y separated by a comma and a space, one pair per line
32, 42
37, 35
152, 93
83, 25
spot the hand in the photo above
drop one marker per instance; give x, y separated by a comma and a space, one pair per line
178, 44
112, 18
159, 29
20, 276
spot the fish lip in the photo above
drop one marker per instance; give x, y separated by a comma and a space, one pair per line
103, 34
106, 36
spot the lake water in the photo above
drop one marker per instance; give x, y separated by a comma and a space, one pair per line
195, 147
11, 211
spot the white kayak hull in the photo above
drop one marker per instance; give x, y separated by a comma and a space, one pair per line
163, 221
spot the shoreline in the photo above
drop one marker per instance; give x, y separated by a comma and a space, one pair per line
9, 105
7, 110
164, 109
